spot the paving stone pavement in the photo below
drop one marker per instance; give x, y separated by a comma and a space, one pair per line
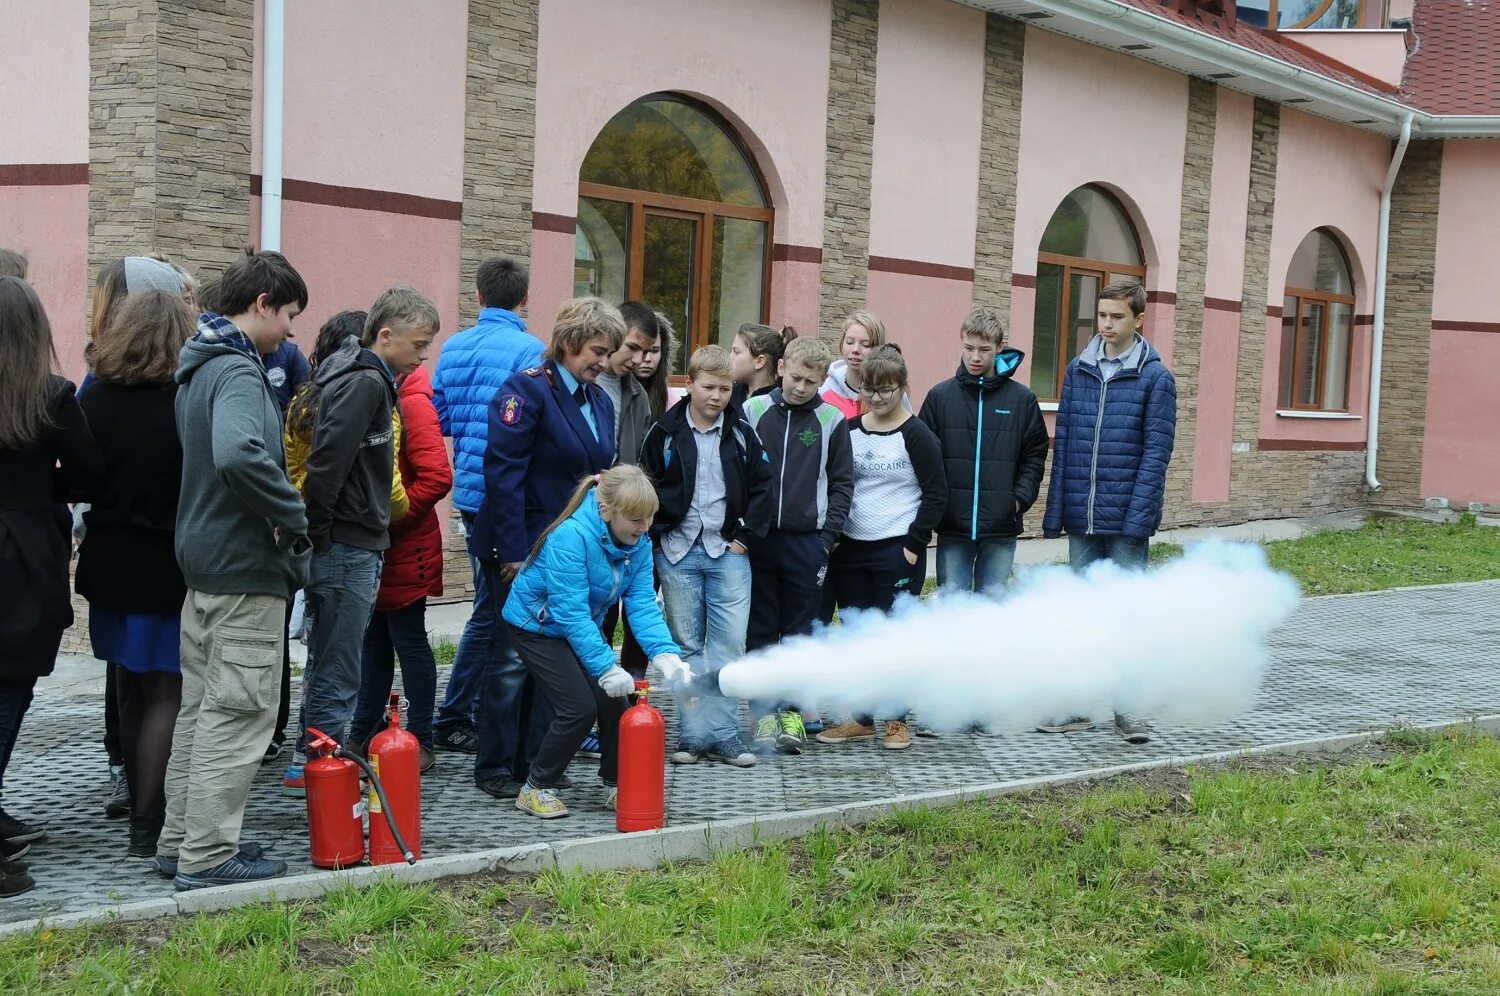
1344, 664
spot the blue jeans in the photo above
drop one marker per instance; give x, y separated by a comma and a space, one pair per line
707, 606
461, 700
391, 634
341, 590
1130, 554
511, 714
974, 565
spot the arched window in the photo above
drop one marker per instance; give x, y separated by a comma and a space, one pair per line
672, 212
1089, 243
1317, 327
1285, 14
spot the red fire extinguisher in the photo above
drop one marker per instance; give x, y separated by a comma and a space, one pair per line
335, 806
396, 759
641, 804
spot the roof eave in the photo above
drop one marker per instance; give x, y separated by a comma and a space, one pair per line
1173, 43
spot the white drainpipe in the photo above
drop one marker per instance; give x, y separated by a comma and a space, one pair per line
272, 71
1377, 348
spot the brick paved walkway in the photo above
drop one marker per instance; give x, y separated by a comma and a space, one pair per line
1344, 664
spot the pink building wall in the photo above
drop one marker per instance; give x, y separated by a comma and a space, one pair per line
1460, 460
379, 113
1224, 284
44, 68
769, 83
1066, 142
924, 187
1327, 176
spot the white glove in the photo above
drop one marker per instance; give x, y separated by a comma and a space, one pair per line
674, 670
617, 682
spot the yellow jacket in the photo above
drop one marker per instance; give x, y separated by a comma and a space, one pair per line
298, 446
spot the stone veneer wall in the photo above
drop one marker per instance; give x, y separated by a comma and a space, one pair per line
850, 160
999, 154
1408, 325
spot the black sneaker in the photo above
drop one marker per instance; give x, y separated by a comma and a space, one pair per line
15, 879
237, 868
1132, 730
167, 867
119, 796
686, 753
731, 751
13, 852
500, 788
1070, 724
590, 746
13, 831
273, 750
456, 739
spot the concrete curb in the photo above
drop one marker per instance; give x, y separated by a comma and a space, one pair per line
694, 841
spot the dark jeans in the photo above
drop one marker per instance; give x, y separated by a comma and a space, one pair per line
284, 711
391, 634
1131, 554
872, 575
787, 571
511, 715
112, 745
461, 700
15, 699
577, 703
975, 565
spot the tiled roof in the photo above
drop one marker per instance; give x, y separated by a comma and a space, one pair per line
1260, 41
1456, 66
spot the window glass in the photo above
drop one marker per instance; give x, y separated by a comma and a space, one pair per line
1335, 395
1318, 264
601, 249
669, 147
737, 278
1046, 323
1288, 349
1091, 224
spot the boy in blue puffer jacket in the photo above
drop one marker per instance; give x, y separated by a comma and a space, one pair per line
596, 553
471, 369
1116, 423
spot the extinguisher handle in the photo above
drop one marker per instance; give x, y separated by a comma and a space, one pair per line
385, 804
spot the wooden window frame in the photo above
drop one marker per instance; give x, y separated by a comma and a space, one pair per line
1100, 269
1303, 295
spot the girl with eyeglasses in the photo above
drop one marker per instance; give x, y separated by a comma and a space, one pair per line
900, 493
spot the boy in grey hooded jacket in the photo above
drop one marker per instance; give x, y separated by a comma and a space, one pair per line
241, 541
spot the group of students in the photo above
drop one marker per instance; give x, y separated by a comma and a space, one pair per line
223, 476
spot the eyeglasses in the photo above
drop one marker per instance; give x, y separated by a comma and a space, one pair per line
879, 394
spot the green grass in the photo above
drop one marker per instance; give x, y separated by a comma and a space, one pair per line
1386, 552
1381, 875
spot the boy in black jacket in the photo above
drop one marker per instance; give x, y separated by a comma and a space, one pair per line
994, 451
348, 494
713, 479
812, 487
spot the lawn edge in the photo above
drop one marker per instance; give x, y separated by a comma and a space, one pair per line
693, 841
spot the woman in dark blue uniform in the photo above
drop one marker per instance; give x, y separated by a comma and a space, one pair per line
549, 427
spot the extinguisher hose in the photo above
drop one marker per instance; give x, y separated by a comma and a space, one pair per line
385, 804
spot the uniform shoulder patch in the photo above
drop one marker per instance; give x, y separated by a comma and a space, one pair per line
532, 371
511, 407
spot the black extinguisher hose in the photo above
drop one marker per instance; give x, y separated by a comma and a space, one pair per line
385, 804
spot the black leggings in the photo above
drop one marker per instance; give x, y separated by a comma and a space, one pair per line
577, 702
149, 703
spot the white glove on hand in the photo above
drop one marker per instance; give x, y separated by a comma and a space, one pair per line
617, 682
674, 670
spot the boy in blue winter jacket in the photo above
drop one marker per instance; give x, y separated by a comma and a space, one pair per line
470, 371
1116, 424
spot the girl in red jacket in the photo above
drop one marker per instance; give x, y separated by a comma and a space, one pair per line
413, 570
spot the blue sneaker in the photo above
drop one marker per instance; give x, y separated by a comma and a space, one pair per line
292, 783
237, 868
590, 746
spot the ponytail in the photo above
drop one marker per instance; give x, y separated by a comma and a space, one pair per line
622, 488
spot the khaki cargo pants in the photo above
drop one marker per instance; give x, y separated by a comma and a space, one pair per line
231, 689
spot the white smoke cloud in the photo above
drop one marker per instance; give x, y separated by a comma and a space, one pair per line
1184, 644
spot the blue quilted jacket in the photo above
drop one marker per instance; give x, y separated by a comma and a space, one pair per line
1111, 447
470, 370
580, 573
